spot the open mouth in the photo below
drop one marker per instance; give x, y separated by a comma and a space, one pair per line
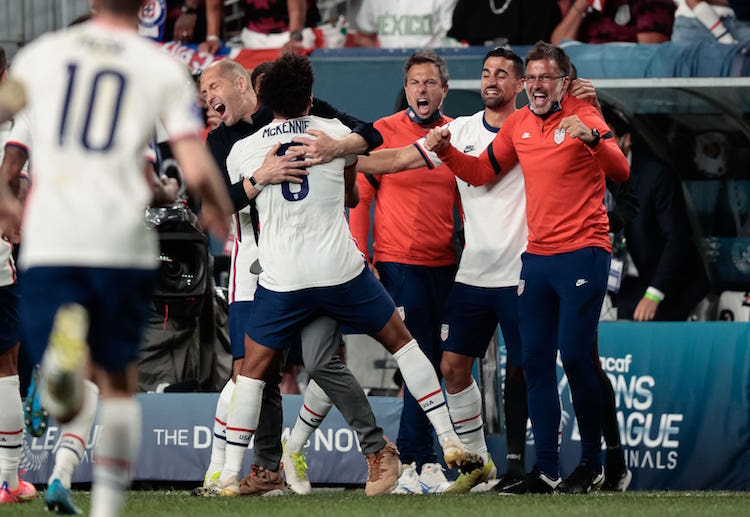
422, 103
220, 108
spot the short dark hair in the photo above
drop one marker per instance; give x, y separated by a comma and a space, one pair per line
287, 87
542, 50
427, 56
3, 61
259, 70
508, 54
616, 118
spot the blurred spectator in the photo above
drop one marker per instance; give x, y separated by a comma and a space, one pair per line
503, 22
604, 21
186, 21
395, 23
710, 21
669, 277
285, 24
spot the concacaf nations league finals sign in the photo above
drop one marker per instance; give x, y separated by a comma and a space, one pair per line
683, 407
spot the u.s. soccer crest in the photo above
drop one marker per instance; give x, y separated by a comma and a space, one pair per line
559, 136
401, 312
444, 331
521, 286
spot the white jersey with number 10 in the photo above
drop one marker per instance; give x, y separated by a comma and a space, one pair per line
95, 92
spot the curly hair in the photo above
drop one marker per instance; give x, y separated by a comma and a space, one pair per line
287, 87
541, 51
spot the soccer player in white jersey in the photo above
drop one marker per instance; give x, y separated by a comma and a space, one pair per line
74, 434
312, 266
93, 93
12, 489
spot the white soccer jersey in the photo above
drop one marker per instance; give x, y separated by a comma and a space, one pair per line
7, 267
94, 92
495, 214
304, 237
242, 283
407, 24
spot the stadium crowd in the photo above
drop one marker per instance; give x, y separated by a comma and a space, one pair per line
282, 166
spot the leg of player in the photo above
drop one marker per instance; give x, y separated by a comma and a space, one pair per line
315, 407
421, 379
219, 443
244, 410
465, 407
321, 340
70, 451
12, 489
265, 477
119, 442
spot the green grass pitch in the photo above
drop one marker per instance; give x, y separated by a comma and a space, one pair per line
354, 503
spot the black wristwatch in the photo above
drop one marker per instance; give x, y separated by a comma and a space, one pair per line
295, 35
597, 137
188, 10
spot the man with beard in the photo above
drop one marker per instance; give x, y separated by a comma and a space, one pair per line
563, 146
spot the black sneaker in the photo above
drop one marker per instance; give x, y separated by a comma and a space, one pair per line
617, 475
583, 480
508, 483
617, 481
535, 482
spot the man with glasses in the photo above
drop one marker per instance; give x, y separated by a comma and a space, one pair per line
563, 146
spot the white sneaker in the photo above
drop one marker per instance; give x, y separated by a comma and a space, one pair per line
432, 479
295, 472
408, 482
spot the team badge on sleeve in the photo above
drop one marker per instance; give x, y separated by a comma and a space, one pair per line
521, 285
444, 331
401, 312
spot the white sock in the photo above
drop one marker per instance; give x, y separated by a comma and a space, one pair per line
708, 17
116, 451
314, 409
465, 408
11, 430
74, 435
420, 377
242, 421
219, 443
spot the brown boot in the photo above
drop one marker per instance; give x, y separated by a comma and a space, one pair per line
383, 470
262, 482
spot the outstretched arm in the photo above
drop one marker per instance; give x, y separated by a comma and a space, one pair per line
476, 171
388, 161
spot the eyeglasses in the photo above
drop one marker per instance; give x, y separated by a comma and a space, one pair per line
544, 79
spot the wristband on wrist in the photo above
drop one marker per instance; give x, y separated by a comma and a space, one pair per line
295, 35
257, 186
213, 37
652, 293
188, 10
